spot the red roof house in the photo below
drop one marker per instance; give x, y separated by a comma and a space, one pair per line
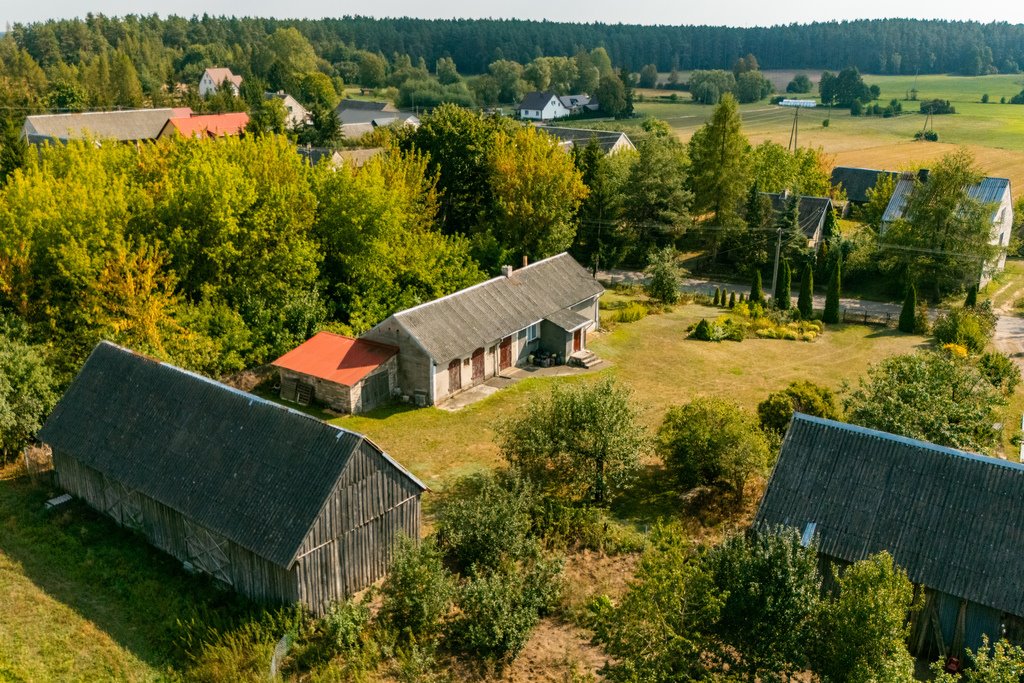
346, 374
206, 126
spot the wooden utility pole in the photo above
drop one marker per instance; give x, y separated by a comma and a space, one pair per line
775, 270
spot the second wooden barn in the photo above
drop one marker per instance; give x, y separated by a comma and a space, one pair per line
280, 506
951, 519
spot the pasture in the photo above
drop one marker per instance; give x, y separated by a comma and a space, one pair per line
993, 132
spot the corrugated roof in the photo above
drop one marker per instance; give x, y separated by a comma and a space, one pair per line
249, 469
811, 211
210, 125
456, 325
953, 520
567, 319
127, 126
857, 181
336, 358
988, 191
607, 139
359, 111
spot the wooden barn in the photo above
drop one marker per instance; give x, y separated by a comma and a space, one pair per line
280, 506
951, 519
349, 375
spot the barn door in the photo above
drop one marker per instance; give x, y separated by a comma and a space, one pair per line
121, 503
207, 551
478, 365
375, 391
505, 353
454, 376
289, 388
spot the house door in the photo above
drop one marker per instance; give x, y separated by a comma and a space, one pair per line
454, 376
505, 353
577, 341
478, 365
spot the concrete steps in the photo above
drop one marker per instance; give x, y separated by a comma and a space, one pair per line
584, 359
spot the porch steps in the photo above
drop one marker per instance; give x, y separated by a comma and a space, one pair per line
584, 359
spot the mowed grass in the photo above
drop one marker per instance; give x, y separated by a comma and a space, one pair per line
993, 132
662, 367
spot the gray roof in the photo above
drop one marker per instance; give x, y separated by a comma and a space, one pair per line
953, 520
536, 100
455, 325
567, 319
811, 211
249, 469
987, 191
607, 139
573, 101
359, 111
857, 181
129, 125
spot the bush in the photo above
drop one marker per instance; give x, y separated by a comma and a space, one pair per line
776, 411
719, 330
663, 273
497, 615
972, 328
585, 527
1000, 371
937, 107
710, 441
630, 313
418, 591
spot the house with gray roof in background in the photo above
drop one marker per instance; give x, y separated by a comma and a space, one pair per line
812, 215
856, 182
954, 521
374, 114
129, 125
268, 501
992, 192
611, 142
464, 339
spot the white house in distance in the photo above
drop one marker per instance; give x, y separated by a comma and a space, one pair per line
297, 114
994, 192
215, 77
542, 106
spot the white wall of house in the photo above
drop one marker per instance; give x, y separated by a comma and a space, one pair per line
1002, 227
552, 110
208, 87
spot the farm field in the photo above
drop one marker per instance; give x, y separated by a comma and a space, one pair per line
993, 132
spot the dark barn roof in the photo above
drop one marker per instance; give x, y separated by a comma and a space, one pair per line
812, 211
857, 181
953, 520
455, 325
249, 469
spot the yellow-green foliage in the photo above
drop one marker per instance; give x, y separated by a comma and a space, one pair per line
752, 319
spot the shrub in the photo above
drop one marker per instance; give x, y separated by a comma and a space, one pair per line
711, 441
972, 297
937, 107
486, 522
999, 662
776, 411
26, 394
719, 330
908, 322
1000, 371
732, 300
717, 300
663, 273
496, 617
630, 313
984, 98
418, 591
756, 290
585, 527
972, 328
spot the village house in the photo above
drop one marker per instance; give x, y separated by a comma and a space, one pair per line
460, 340
348, 375
812, 215
611, 142
297, 114
375, 114
856, 182
547, 106
206, 126
216, 77
130, 125
992, 192
278, 505
949, 518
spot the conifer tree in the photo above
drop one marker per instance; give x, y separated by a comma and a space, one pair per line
805, 303
718, 295
909, 310
784, 287
831, 314
756, 295
972, 297
732, 299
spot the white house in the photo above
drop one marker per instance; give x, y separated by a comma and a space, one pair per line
214, 77
993, 192
542, 106
297, 114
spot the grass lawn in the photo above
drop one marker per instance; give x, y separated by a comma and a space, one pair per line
993, 132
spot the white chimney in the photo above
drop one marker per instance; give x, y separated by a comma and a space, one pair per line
506, 271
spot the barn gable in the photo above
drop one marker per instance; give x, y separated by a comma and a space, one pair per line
953, 520
245, 469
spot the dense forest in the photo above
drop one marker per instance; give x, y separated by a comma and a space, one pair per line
897, 46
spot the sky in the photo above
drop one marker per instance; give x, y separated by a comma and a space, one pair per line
732, 13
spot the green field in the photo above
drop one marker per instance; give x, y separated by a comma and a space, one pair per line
993, 132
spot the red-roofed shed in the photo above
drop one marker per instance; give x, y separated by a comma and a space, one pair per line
349, 375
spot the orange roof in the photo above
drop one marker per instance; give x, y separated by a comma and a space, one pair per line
336, 358
210, 125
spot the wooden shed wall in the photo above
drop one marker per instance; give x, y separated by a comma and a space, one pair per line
349, 545
171, 532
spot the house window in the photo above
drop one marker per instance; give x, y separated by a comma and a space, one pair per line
532, 332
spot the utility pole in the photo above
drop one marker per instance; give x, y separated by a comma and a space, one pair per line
775, 270
793, 133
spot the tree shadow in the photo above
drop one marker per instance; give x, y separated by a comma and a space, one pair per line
136, 594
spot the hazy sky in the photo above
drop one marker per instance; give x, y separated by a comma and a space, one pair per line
735, 13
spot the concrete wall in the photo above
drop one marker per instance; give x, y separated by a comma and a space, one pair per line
415, 368
340, 397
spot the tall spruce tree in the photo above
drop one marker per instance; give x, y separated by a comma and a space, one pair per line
756, 293
784, 287
805, 303
909, 310
732, 299
831, 313
719, 169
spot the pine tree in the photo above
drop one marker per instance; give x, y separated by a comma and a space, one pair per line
756, 295
805, 304
784, 287
972, 297
831, 314
907, 320
718, 295
718, 163
732, 299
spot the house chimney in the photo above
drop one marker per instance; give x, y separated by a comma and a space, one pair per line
506, 271
526, 260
